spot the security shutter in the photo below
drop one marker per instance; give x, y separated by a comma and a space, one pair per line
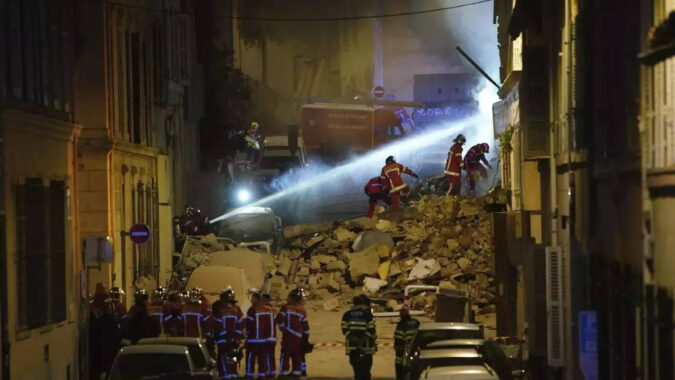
555, 306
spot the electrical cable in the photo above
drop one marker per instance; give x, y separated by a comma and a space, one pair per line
301, 19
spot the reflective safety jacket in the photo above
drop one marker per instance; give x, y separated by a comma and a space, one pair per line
403, 336
454, 163
394, 172
194, 315
376, 186
172, 318
156, 313
260, 326
227, 322
474, 157
292, 321
358, 326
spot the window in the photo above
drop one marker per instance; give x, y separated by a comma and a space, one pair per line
40, 252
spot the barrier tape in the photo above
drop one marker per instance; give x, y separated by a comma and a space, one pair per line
334, 344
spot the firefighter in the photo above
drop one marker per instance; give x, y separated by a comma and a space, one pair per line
472, 164
194, 313
172, 314
227, 330
358, 326
117, 300
97, 302
156, 307
397, 185
403, 336
266, 300
376, 189
252, 139
260, 331
139, 324
454, 164
294, 326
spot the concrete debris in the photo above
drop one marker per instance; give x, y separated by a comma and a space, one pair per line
372, 285
367, 239
435, 239
342, 234
364, 263
424, 269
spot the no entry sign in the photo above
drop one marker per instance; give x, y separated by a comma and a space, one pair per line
378, 92
139, 233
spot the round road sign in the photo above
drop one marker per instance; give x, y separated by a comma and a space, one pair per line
139, 233
378, 92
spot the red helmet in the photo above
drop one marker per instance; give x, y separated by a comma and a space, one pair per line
485, 147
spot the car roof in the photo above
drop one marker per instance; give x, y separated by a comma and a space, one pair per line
448, 326
468, 352
178, 340
154, 349
456, 342
458, 370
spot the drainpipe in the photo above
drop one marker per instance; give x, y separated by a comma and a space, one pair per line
4, 349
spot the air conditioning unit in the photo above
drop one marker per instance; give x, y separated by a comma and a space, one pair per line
555, 306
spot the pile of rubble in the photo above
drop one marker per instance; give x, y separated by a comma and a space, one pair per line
435, 239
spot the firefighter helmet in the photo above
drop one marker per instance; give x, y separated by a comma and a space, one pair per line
485, 148
116, 294
460, 139
365, 300
183, 296
141, 295
159, 294
254, 126
196, 294
390, 160
227, 295
297, 294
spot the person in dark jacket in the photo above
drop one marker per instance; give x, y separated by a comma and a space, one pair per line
139, 324
403, 336
358, 326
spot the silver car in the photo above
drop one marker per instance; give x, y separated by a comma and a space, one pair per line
201, 359
144, 361
458, 363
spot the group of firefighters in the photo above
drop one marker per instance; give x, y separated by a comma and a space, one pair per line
390, 186
222, 325
224, 328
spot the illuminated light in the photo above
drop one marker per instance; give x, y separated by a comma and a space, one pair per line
243, 196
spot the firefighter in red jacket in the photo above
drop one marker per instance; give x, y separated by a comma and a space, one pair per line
376, 189
292, 321
227, 329
172, 315
472, 164
266, 300
397, 186
194, 313
156, 308
259, 333
454, 164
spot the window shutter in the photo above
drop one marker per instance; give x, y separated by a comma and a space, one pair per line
555, 306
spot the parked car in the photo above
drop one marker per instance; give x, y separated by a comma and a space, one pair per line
201, 359
140, 361
492, 351
459, 373
466, 362
439, 331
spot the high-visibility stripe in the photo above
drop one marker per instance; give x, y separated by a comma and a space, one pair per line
448, 172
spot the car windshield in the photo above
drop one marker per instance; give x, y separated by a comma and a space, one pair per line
142, 365
423, 338
279, 162
197, 356
449, 362
248, 227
